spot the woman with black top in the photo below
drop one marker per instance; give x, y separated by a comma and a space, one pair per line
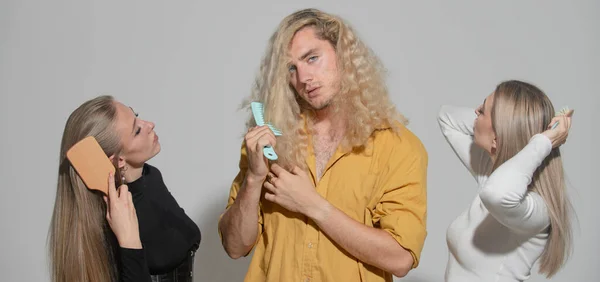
138, 232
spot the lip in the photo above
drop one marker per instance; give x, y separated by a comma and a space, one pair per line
311, 93
155, 138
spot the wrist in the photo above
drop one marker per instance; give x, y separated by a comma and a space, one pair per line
252, 187
253, 180
130, 243
320, 211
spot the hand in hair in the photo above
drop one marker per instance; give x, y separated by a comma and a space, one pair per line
257, 138
121, 215
559, 134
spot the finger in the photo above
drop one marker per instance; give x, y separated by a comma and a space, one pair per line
259, 148
270, 187
265, 140
562, 124
274, 180
565, 121
112, 191
123, 190
277, 170
298, 171
107, 211
252, 135
270, 197
260, 132
570, 113
251, 129
553, 121
257, 143
270, 176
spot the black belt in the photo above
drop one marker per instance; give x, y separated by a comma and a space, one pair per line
182, 273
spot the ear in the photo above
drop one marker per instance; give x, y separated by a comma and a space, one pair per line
120, 162
494, 144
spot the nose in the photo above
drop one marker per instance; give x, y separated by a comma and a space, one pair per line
304, 75
151, 125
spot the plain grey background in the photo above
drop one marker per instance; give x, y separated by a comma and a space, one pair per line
186, 65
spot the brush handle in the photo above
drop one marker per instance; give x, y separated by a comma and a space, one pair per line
269, 153
555, 125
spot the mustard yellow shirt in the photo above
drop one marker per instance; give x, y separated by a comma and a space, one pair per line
383, 186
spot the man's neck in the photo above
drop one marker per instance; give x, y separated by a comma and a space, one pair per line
324, 114
323, 120
326, 124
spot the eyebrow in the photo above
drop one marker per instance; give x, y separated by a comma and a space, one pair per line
134, 121
312, 50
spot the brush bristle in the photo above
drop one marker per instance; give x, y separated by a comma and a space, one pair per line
563, 111
258, 112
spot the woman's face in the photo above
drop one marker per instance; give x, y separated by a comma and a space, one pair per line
138, 139
484, 132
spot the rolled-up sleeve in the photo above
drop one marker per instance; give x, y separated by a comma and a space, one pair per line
402, 208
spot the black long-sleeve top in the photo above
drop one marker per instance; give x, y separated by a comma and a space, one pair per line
166, 232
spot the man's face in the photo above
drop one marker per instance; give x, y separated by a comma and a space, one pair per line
313, 70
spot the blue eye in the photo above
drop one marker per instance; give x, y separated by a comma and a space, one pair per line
292, 69
312, 59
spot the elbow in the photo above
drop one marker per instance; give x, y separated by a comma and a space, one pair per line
443, 120
235, 253
403, 264
236, 250
401, 270
401, 273
441, 115
491, 196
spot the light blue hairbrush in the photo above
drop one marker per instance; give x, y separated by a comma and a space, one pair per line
562, 112
258, 113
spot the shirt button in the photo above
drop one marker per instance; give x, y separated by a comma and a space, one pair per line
310, 245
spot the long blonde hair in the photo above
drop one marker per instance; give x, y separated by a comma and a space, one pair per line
363, 100
80, 241
520, 111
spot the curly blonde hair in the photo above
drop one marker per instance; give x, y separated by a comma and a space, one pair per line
363, 100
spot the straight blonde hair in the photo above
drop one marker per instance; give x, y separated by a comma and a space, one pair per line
81, 244
520, 111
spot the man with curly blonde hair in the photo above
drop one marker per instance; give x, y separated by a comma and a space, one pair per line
346, 199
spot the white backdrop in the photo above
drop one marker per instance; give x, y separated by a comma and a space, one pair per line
186, 65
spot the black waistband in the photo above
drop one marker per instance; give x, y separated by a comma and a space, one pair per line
182, 273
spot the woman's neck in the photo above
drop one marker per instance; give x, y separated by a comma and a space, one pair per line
133, 173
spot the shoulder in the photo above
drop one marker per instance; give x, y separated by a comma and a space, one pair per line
151, 170
400, 140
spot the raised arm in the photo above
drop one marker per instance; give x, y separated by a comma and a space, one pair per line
506, 194
238, 225
456, 124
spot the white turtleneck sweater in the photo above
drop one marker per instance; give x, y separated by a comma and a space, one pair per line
504, 230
